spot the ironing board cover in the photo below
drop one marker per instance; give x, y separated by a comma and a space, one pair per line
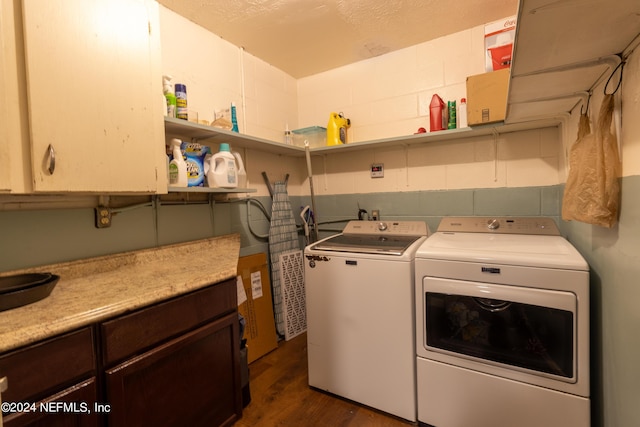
283, 237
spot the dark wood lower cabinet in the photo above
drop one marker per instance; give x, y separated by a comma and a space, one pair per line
51, 383
73, 407
189, 381
174, 363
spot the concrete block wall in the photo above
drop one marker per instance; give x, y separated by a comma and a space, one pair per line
389, 95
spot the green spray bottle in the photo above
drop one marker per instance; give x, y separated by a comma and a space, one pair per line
169, 95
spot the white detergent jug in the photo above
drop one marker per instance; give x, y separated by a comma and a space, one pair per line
242, 174
222, 169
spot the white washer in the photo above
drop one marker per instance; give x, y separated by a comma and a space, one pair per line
360, 314
502, 331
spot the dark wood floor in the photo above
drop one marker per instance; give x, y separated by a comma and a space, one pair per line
281, 396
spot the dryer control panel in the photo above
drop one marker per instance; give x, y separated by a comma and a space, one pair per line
500, 225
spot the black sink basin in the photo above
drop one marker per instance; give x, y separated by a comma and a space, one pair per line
23, 289
21, 281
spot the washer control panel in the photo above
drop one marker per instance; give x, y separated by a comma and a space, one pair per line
500, 225
392, 228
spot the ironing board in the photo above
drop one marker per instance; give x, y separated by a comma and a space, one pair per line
283, 238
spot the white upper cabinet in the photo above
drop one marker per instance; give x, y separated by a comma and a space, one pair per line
5, 172
8, 135
94, 95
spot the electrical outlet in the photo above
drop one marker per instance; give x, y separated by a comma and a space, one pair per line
103, 217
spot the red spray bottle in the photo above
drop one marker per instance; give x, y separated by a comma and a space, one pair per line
437, 117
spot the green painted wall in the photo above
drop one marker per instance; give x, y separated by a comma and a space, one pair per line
38, 237
31, 238
614, 258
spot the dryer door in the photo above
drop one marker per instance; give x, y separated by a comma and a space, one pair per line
516, 328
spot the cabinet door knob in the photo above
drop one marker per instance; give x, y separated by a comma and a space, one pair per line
52, 159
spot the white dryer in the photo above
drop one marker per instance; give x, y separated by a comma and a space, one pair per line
502, 326
360, 314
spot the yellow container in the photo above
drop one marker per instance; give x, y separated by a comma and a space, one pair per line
337, 129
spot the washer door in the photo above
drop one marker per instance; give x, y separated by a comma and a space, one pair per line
514, 327
367, 244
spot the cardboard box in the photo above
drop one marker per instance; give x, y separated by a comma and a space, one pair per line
487, 97
498, 43
254, 287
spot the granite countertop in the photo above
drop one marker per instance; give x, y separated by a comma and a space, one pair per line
96, 289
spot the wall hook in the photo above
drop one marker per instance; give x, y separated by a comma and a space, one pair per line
621, 67
586, 110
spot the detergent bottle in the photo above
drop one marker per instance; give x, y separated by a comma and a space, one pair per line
194, 156
242, 174
437, 115
222, 169
177, 166
337, 129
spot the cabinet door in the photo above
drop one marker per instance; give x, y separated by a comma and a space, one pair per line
79, 410
5, 172
193, 380
8, 84
94, 95
61, 361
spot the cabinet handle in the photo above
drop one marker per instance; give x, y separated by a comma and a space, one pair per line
52, 159
3, 384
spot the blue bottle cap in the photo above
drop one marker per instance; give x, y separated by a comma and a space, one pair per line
225, 147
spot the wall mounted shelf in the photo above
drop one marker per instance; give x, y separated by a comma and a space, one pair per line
210, 190
557, 58
183, 129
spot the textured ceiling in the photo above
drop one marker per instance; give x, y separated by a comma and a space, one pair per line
305, 37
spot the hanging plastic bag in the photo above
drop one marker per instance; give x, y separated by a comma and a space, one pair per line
592, 192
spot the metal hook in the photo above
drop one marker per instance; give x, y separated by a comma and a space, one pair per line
621, 67
586, 111
268, 183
